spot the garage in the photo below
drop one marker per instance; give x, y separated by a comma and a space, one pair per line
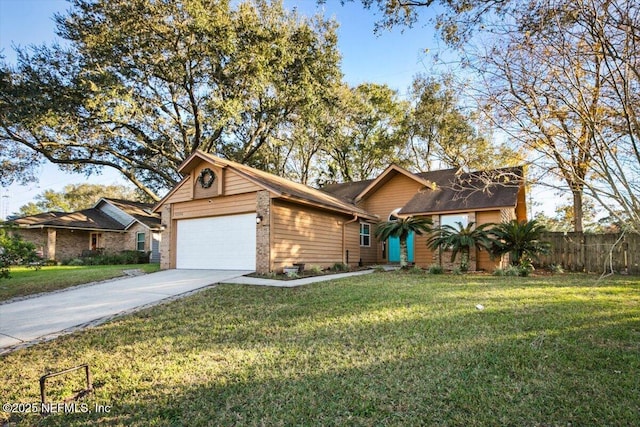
220, 243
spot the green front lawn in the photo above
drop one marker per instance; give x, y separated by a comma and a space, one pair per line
28, 281
381, 349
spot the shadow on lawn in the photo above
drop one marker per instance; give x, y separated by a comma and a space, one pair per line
332, 354
496, 382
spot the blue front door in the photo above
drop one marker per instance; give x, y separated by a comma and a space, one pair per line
394, 248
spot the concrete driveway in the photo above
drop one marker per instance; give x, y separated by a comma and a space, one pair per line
54, 313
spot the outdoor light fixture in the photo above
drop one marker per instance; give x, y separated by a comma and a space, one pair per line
258, 219
163, 227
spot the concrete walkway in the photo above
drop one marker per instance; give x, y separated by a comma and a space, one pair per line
244, 280
46, 316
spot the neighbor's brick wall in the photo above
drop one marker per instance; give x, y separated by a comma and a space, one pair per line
70, 243
113, 242
131, 238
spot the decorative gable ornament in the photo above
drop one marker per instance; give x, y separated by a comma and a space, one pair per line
206, 178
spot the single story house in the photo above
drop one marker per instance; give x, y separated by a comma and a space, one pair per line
111, 225
225, 215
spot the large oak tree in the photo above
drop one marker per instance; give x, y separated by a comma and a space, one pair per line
138, 85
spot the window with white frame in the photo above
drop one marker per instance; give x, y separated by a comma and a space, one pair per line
140, 241
453, 220
365, 234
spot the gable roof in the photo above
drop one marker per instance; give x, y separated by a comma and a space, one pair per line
86, 219
467, 191
449, 191
385, 176
281, 187
141, 212
93, 218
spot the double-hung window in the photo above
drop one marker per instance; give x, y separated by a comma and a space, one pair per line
365, 234
140, 240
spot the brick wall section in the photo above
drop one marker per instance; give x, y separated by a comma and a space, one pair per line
165, 242
263, 232
131, 238
70, 243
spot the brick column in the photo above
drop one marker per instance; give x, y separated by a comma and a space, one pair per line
51, 243
263, 232
165, 237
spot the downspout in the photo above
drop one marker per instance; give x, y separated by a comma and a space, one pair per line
344, 237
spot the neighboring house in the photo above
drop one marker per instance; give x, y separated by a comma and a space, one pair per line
225, 215
112, 225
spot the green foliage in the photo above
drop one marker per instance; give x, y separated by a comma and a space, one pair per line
338, 266
521, 240
460, 239
15, 251
441, 131
120, 258
137, 86
368, 132
435, 269
401, 228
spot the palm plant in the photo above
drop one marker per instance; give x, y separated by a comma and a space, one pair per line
521, 240
461, 239
401, 228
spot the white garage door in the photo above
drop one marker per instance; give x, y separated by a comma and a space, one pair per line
221, 243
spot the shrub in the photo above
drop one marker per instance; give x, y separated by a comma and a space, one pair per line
315, 269
74, 262
15, 251
416, 270
499, 272
338, 266
457, 271
435, 269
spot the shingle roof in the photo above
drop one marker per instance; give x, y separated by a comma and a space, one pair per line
288, 189
453, 191
466, 191
142, 212
88, 219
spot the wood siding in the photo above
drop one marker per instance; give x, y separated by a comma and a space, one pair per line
224, 205
302, 234
394, 194
183, 193
484, 261
352, 243
236, 184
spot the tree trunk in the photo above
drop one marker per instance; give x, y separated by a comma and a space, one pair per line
403, 252
577, 210
464, 260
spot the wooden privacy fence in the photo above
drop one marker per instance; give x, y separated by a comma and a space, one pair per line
593, 252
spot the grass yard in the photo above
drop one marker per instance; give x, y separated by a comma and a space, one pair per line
382, 349
28, 281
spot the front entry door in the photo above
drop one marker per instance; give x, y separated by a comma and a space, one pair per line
394, 248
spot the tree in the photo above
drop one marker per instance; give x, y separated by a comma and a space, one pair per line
579, 109
140, 85
75, 197
521, 240
441, 131
401, 228
14, 251
368, 135
462, 239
